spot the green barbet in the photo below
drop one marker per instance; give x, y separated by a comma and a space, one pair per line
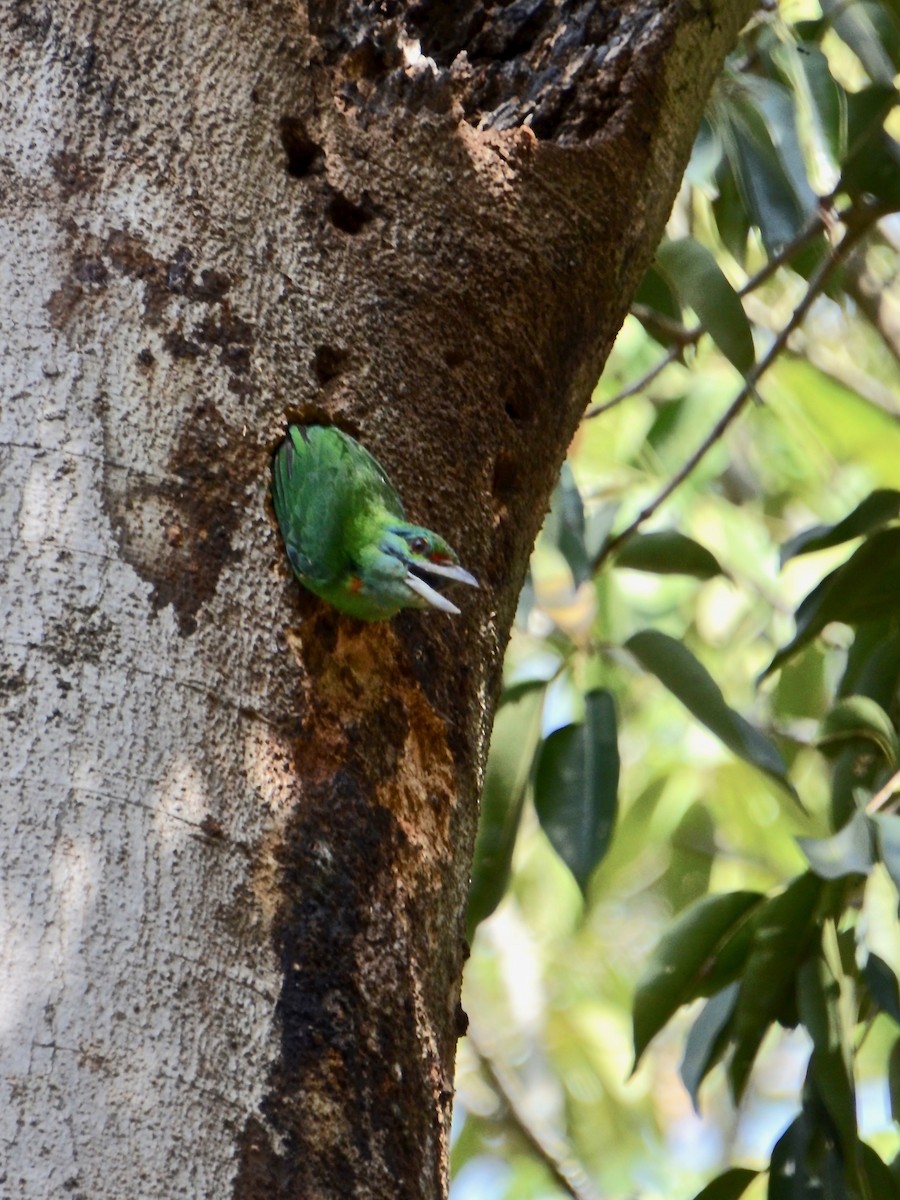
346, 535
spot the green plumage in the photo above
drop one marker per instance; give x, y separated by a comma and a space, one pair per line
345, 531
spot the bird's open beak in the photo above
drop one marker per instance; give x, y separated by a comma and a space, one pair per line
429, 594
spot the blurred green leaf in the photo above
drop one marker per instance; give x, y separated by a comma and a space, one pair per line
668, 553
878, 937
859, 717
682, 964
757, 132
676, 668
893, 1076
883, 986
818, 1002
805, 1164
730, 1186
850, 851
887, 829
565, 527
873, 161
865, 587
657, 295
514, 740
857, 24
695, 275
783, 930
731, 216
575, 786
877, 509
826, 100
707, 1040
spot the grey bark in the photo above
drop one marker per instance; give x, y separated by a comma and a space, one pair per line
236, 827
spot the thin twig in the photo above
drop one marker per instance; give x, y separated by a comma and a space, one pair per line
881, 797
682, 336
554, 1153
638, 385
855, 230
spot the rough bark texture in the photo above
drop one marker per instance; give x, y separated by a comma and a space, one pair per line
236, 827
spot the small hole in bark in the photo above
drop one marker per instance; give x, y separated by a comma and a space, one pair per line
347, 216
514, 411
506, 477
304, 156
329, 362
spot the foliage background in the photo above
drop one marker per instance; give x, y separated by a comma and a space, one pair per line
625, 783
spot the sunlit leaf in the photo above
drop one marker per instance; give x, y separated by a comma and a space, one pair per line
676, 668
668, 552
682, 964
877, 509
695, 275
575, 786
510, 760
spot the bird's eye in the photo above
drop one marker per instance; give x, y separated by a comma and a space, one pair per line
418, 545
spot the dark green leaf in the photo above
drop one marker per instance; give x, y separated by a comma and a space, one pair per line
668, 553
873, 160
513, 743
883, 987
828, 101
730, 1186
697, 278
865, 587
783, 929
564, 525
851, 851
859, 717
658, 296
877, 509
894, 1080
873, 663
757, 132
818, 1000
575, 786
806, 1164
675, 667
683, 963
730, 212
707, 1041
880, 1183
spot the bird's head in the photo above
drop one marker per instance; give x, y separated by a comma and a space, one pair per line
406, 566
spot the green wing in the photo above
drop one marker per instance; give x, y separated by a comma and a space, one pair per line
323, 482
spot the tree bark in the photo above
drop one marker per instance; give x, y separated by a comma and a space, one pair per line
236, 826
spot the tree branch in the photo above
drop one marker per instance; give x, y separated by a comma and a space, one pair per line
859, 221
556, 1154
686, 337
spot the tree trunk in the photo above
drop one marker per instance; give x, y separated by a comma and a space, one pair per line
236, 826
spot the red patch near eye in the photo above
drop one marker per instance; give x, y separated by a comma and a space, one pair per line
355, 584
440, 558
